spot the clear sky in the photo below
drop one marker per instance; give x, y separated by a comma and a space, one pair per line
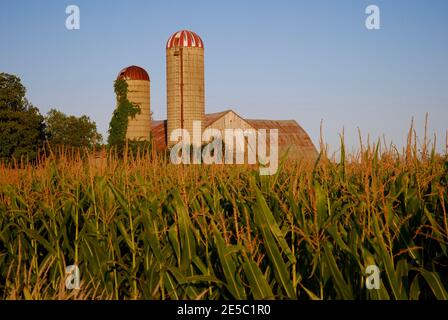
307, 60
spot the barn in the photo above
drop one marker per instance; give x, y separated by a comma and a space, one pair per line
292, 138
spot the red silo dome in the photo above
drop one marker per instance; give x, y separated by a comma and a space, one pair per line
184, 38
133, 73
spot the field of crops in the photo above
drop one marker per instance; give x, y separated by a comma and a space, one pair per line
141, 228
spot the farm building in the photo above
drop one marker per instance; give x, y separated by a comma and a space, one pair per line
186, 102
291, 136
139, 127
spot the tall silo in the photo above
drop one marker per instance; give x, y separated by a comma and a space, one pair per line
139, 127
185, 82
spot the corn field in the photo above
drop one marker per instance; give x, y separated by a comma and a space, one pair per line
139, 227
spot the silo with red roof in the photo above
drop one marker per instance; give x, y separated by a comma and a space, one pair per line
185, 82
139, 127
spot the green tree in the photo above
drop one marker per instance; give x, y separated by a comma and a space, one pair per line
22, 128
71, 131
119, 124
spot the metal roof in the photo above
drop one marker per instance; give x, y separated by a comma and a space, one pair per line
291, 136
184, 38
212, 117
133, 73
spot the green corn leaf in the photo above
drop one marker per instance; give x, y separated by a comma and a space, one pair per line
414, 292
229, 267
435, 283
259, 285
279, 266
40, 240
341, 286
310, 294
170, 286
151, 233
266, 217
393, 278
125, 235
187, 238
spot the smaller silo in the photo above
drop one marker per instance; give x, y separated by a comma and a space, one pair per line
139, 127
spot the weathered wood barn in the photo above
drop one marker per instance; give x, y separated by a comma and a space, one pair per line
291, 136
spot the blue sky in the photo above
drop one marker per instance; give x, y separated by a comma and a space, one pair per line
307, 60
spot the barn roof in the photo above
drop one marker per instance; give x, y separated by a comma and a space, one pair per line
210, 118
291, 136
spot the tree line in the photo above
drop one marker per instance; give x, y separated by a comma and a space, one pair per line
24, 131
